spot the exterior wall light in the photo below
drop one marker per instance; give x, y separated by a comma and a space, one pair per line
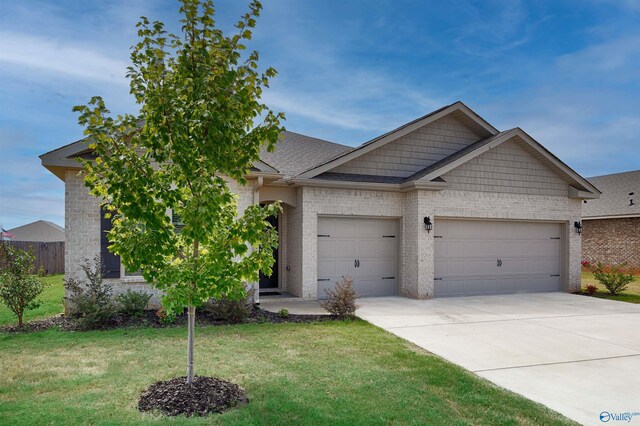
427, 224
578, 227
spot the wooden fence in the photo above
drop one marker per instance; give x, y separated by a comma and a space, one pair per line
49, 256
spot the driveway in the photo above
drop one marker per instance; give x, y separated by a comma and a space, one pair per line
577, 355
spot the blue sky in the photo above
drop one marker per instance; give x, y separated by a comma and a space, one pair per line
567, 72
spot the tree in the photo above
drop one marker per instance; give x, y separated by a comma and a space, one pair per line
201, 125
19, 287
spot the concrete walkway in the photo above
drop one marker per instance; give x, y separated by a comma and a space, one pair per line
577, 355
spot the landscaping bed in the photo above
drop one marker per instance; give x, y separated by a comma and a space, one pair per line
206, 395
151, 319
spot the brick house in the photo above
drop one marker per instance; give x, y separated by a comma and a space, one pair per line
611, 224
444, 205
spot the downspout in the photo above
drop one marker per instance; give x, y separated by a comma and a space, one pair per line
256, 200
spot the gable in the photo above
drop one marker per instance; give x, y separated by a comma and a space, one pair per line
511, 167
414, 151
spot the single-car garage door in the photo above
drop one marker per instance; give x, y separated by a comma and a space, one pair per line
474, 257
364, 249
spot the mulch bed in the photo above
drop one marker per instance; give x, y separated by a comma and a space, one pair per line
206, 395
150, 319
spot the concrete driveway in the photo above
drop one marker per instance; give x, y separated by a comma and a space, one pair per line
577, 355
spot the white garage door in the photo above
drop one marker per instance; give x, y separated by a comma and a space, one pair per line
492, 257
364, 249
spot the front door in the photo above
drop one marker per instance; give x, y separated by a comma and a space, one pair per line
272, 280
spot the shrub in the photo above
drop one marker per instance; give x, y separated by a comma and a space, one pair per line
42, 272
166, 318
132, 304
615, 278
19, 288
229, 309
90, 300
341, 301
591, 289
283, 313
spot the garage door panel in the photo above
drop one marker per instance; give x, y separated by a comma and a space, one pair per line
493, 257
373, 242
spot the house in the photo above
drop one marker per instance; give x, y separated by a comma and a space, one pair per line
611, 224
445, 205
40, 230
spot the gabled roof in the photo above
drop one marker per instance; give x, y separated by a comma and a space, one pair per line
40, 230
616, 195
457, 109
582, 187
294, 153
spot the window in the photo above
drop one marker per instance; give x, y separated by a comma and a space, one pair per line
176, 219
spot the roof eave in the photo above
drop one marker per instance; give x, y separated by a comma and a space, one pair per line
394, 187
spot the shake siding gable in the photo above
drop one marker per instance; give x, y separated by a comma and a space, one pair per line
509, 168
414, 151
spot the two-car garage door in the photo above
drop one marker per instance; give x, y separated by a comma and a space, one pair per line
362, 248
474, 257
471, 257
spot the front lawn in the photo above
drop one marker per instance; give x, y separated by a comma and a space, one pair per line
318, 373
51, 302
631, 295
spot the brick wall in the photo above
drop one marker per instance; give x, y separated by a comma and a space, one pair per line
417, 249
82, 229
612, 241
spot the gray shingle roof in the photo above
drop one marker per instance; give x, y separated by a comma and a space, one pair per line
614, 200
297, 153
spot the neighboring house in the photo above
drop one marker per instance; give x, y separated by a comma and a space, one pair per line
611, 224
445, 205
40, 230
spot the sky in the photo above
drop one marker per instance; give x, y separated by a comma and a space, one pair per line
567, 72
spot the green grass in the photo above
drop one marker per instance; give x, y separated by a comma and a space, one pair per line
312, 374
631, 295
51, 302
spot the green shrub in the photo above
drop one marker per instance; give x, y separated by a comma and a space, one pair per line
90, 301
341, 301
230, 309
283, 313
615, 278
19, 288
132, 304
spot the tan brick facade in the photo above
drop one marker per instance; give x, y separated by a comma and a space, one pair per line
612, 241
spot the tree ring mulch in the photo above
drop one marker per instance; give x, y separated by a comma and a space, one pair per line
206, 395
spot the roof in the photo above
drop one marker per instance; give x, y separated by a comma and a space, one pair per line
296, 153
615, 198
300, 159
457, 109
40, 230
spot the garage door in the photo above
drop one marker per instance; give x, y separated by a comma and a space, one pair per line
364, 249
491, 257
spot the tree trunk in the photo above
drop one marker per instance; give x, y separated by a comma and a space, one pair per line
191, 327
20, 319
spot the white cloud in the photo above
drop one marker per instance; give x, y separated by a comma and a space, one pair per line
51, 56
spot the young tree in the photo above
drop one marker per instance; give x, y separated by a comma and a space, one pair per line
201, 125
19, 287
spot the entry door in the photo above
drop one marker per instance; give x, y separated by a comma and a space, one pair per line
474, 257
364, 249
271, 281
